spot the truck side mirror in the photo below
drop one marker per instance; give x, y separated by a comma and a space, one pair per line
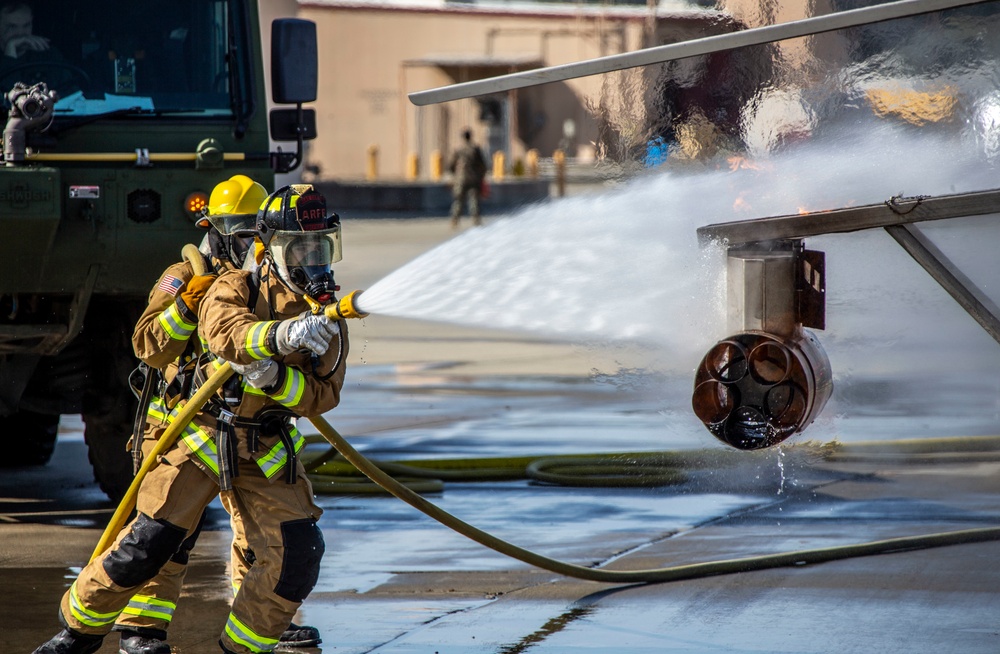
294, 62
294, 66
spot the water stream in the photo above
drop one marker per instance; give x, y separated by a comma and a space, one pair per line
625, 265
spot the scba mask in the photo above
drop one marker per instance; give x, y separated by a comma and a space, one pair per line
304, 260
302, 239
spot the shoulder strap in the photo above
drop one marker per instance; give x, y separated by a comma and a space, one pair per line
253, 284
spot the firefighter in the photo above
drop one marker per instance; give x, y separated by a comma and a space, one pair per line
162, 341
243, 443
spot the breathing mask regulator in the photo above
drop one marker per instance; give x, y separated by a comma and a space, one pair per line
302, 240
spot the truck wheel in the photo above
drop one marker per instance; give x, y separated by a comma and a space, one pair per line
106, 435
31, 438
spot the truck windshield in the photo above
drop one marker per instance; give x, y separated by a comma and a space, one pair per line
104, 56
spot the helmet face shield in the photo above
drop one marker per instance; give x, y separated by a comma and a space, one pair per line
305, 257
234, 223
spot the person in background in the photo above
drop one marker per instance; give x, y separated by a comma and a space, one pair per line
16, 38
468, 165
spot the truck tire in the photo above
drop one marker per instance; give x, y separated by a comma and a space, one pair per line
107, 435
31, 438
109, 405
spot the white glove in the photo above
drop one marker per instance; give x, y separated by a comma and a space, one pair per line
313, 332
259, 373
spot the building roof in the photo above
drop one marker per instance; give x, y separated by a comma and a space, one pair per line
452, 60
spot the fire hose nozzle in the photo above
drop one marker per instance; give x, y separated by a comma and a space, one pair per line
346, 307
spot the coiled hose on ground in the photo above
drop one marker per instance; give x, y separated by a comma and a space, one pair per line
659, 575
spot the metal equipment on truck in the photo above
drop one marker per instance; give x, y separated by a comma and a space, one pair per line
117, 132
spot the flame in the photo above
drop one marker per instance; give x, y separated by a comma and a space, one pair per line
742, 163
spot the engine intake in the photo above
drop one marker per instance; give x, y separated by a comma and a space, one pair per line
769, 381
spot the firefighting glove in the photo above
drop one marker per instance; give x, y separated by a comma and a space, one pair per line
197, 286
259, 373
313, 332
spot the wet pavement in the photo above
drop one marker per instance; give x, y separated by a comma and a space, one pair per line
395, 581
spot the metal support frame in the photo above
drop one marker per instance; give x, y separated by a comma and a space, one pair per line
981, 308
896, 215
894, 211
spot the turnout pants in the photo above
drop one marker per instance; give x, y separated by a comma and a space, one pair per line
152, 608
280, 524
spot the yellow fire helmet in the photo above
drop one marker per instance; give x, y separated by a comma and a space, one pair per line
232, 207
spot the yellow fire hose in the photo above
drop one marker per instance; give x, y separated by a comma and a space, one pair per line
659, 575
347, 308
180, 422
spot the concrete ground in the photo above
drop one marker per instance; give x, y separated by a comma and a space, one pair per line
394, 581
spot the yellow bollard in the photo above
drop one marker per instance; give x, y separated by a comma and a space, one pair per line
412, 166
531, 161
437, 165
498, 165
371, 170
559, 159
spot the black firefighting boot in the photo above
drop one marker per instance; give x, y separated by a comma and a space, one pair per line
143, 641
298, 636
70, 642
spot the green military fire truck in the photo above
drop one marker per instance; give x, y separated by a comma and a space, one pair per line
121, 118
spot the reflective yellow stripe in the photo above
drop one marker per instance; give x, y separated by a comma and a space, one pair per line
203, 446
89, 618
151, 607
158, 409
175, 325
199, 442
272, 462
247, 388
257, 340
245, 636
291, 391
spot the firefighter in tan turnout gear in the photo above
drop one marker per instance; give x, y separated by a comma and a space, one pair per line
163, 341
244, 442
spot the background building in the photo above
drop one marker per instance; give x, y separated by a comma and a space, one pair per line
371, 55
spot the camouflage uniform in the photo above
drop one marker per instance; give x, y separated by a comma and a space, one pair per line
469, 167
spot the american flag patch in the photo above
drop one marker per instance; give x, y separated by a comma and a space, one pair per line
169, 284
